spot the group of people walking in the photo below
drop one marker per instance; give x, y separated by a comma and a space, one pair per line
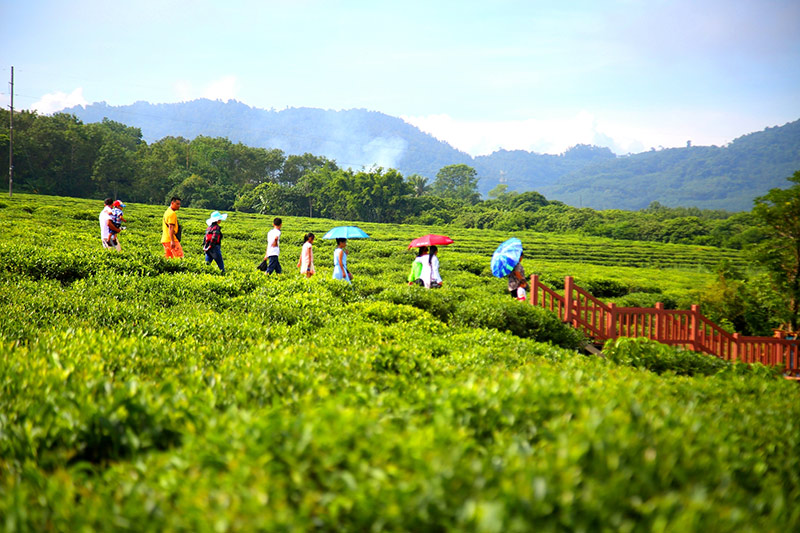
424, 269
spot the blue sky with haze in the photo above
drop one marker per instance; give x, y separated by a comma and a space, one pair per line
530, 75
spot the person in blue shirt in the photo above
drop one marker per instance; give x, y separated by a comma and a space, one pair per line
340, 261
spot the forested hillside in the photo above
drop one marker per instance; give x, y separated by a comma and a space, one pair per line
708, 177
353, 138
705, 176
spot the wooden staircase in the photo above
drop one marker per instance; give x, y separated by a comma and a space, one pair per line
690, 329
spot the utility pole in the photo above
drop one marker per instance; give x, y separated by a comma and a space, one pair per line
11, 139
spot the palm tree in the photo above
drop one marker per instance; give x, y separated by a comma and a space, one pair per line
419, 184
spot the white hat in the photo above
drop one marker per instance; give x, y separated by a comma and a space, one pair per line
216, 216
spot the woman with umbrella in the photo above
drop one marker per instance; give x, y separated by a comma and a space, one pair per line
507, 261
340, 261
430, 270
341, 234
429, 262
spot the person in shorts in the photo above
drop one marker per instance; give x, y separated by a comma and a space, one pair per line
170, 239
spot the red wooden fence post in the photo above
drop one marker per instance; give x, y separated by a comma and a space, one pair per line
660, 322
735, 348
568, 304
611, 321
535, 289
695, 328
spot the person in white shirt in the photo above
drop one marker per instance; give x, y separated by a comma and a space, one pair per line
105, 224
273, 248
430, 269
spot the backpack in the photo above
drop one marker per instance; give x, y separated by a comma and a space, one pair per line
416, 271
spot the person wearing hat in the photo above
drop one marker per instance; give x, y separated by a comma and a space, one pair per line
212, 242
116, 221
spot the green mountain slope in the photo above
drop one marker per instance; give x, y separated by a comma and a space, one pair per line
709, 177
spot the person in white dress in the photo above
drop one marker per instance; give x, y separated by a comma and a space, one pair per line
306, 261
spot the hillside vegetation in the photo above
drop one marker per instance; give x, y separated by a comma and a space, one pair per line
707, 177
61, 155
138, 393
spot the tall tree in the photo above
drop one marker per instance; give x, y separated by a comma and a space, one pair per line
779, 212
297, 166
419, 185
114, 169
457, 181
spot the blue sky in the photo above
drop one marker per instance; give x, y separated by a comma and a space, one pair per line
532, 75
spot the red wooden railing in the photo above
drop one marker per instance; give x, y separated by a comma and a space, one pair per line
689, 329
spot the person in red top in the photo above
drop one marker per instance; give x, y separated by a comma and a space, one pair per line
212, 243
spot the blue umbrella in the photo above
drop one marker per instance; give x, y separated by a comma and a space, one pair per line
506, 257
346, 232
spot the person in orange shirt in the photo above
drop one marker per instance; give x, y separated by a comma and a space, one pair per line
170, 231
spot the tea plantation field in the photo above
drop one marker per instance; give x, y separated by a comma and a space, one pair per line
138, 393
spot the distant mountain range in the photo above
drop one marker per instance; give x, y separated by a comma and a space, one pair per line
703, 176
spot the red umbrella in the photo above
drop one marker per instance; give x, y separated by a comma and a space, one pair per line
431, 240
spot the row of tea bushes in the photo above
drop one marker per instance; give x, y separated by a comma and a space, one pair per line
314, 435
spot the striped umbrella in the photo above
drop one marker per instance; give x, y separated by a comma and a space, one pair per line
506, 257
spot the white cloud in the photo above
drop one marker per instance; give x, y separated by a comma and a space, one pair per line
630, 134
549, 136
50, 103
225, 88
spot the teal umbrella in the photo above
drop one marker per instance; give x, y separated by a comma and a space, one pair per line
346, 232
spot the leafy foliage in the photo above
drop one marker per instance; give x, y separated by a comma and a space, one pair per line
138, 393
659, 358
779, 212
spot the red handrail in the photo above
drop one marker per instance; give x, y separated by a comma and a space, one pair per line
689, 329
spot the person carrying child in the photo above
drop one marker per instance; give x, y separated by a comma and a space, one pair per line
212, 242
106, 226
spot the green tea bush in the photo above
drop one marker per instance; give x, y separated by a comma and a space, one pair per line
139, 393
646, 299
439, 303
659, 358
604, 288
527, 321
